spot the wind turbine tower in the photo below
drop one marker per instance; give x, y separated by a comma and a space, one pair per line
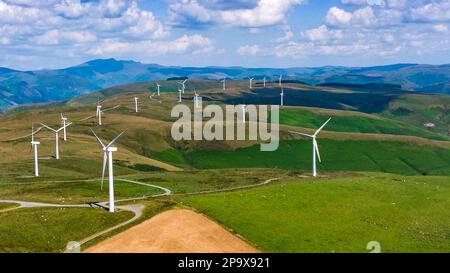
224, 82
136, 104
64, 122
34, 145
99, 114
196, 100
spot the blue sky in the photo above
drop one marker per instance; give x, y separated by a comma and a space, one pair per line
252, 33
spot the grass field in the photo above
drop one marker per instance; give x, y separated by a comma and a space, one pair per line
206, 180
4, 206
50, 229
72, 192
353, 123
374, 156
404, 214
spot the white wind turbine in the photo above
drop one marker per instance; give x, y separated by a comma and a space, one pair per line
108, 151
183, 85
282, 97
158, 86
279, 80
99, 114
315, 146
196, 99
136, 104
64, 123
251, 82
34, 146
56, 131
179, 95
224, 82
264, 80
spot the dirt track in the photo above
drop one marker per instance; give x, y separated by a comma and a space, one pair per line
175, 231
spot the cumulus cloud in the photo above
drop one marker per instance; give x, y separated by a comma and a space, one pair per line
432, 12
182, 45
323, 33
261, 13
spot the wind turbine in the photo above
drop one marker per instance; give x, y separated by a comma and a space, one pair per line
243, 113
108, 151
196, 99
179, 95
34, 146
279, 80
251, 82
158, 86
315, 146
264, 80
224, 81
64, 122
56, 131
99, 114
136, 104
183, 85
282, 97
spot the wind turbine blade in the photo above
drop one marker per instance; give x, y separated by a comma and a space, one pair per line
316, 146
114, 140
98, 139
320, 129
105, 160
51, 129
302, 134
67, 125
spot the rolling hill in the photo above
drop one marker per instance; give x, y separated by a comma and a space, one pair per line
22, 87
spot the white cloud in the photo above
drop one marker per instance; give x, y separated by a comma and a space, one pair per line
433, 12
186, 44
441, 28
72, 8
323, 33
51, 37
252, 50
264, 13
288, 35
337, 16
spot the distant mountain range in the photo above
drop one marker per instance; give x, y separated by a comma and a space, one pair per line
22, 87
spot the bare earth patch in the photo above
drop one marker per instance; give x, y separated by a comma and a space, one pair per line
175, 231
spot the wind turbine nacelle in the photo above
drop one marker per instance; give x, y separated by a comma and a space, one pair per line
35, 143
111, 149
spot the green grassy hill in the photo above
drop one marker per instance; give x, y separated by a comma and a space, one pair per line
338, 215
